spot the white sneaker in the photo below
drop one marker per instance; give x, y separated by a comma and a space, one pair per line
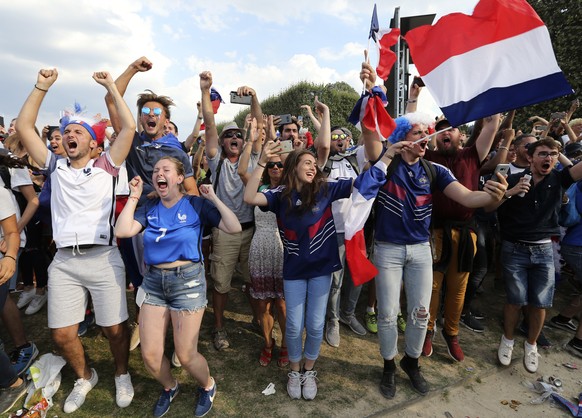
123, 390
530, 358
175, 360
504, 352
294, 385
77, 396
134, 339
38, 301
309, 384
25, 297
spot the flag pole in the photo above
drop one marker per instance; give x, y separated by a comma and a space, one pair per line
431, 135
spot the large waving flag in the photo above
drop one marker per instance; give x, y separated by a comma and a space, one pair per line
384, 40
499, 58
371, 112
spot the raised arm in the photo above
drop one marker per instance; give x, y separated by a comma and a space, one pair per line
251, 195
501, 155
11, 243
485, 138
243, 162
372, 144
323, 140
126, 226
492, 193
211, 133
196, 130
120, 148
413, 94
26, 120
197, 159
316, 123
139, 65
229, 222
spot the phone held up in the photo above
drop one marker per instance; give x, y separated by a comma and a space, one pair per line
236, 99
285, 119
418, 81
286, 147
501, 168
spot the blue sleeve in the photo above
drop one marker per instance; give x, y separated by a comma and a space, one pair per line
340, 189
273, 200
206, 210
141, 212
370, 181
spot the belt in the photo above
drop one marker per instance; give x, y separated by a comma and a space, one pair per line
247, 225
80, 247
529, 244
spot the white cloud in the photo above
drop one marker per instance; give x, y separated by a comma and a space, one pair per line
351, 49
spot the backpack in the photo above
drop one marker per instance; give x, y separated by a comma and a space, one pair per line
351, 158
569, 215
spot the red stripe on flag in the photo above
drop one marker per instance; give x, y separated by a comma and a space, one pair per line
458, 33
387, 56
361, 269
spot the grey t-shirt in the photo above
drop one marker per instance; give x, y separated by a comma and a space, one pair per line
230, 188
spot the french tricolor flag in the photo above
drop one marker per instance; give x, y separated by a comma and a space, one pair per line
499, 58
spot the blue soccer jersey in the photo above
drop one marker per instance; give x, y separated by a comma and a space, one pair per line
309, 238
175, 233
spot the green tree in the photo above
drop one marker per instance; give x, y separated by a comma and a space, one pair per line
564, 21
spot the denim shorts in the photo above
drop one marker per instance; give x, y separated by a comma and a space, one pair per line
529, 274
180, 288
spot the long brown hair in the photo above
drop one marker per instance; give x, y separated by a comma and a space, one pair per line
309, 191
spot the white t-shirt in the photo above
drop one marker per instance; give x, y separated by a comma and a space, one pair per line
15, 207
6, 208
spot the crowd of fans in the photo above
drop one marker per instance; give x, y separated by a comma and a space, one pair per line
90, 207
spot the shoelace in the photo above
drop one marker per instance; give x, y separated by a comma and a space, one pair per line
309, 374
506, 350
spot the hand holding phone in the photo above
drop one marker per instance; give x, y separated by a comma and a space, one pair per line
501, 168
236, 99
285, 147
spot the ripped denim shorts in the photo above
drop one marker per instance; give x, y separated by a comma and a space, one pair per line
180, 288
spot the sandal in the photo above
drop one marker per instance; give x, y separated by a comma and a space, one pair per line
283, 360
266, 356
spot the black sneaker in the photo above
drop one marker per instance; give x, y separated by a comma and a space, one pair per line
471, 322
574, 348
418, 382
388, 385
567, 326
477, 314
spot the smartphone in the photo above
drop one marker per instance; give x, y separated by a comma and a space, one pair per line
286, 147
285, 119
418, 81
235, 98
501, 168
558, 115
540, 127
299, 118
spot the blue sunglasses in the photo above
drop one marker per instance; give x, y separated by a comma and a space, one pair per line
146, 111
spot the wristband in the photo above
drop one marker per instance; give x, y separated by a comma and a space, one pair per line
260, 165
390, 157
504, 147
38, 88
134, 197
411, 101
9, 256
200, 117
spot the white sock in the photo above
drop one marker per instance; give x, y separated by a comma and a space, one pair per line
530, 347
370, 309
506, 341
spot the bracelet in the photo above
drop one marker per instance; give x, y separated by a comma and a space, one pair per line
503, 147
411, 101
134, 197
259, 164
200, 117
9, 256
36, 87
390, 157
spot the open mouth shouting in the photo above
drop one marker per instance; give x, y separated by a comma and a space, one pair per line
71, 144
162, 184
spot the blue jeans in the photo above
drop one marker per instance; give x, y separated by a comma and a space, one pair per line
350, 295
305, 300
528, 271
413, 265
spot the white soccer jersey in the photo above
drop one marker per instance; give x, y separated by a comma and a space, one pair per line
82, 201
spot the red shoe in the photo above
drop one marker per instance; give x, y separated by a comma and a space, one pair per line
427, 347
453, 346
283, 360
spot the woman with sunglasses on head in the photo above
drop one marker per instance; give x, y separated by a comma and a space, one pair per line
174, 286
266, 255
302, 204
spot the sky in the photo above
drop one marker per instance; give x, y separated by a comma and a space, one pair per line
265, 44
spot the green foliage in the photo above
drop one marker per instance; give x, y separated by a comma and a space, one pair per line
340, 97
564, 21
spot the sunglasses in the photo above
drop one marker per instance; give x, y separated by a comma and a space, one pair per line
233, 134
156, 110
278, 164
335, 137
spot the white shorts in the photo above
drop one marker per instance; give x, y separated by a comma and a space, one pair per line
99, 271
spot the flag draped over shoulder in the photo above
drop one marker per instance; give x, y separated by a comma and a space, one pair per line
370, 111
497, 59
